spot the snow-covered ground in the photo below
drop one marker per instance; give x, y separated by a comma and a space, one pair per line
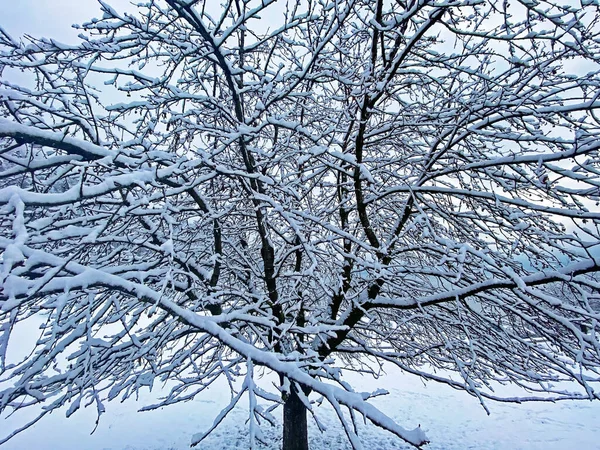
452, 420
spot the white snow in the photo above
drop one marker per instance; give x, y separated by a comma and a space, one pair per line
451, 419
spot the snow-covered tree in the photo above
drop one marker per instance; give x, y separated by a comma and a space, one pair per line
196, 191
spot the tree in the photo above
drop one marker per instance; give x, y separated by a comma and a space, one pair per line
193, 191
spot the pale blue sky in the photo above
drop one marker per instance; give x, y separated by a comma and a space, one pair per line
48, 18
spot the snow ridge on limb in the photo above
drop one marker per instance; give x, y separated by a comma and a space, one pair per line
539, 278
337, 396
73, 146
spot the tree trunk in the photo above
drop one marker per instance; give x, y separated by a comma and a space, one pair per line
295, 426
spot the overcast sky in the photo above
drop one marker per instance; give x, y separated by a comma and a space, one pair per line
48, 18
53, 18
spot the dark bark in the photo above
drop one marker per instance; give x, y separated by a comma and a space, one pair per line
295, 425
